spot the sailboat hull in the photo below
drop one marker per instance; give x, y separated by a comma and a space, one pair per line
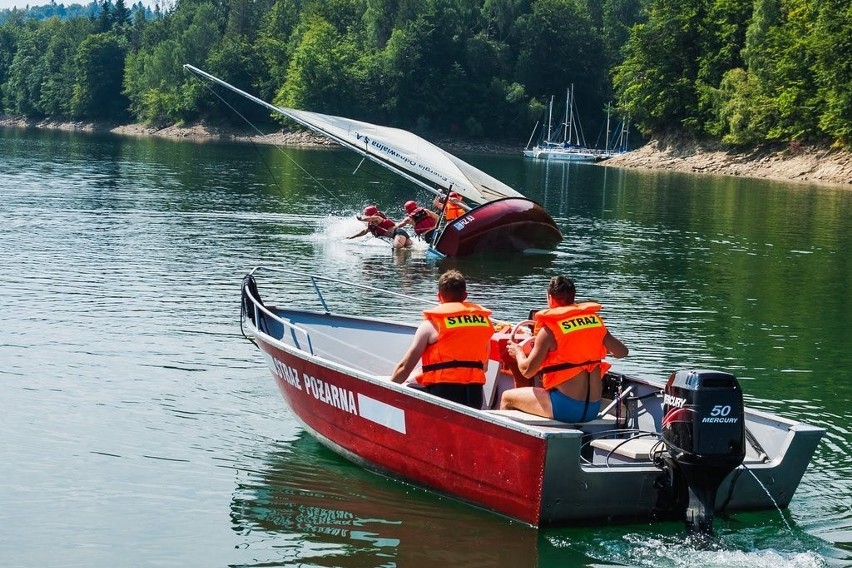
513, 224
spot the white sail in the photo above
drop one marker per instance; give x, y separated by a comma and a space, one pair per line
408, 155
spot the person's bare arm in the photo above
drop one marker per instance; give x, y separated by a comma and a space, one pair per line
614, 346
424, 335
403, 223
359, 233
529, 365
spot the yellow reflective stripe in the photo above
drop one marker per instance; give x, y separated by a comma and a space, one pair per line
579, 323
466, 321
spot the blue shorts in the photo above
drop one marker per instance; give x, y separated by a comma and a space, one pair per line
567, 409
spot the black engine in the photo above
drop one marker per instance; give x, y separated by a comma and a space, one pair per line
704, 428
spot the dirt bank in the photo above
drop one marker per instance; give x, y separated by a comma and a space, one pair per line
789, 163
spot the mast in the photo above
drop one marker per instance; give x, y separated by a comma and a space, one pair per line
566, 135
533, 134
570, 103
550, 120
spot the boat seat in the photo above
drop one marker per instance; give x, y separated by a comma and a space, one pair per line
635, 449
599, 424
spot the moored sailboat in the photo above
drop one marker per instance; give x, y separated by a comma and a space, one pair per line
566, 142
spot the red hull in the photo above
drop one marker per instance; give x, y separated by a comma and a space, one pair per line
513, 224
415, 438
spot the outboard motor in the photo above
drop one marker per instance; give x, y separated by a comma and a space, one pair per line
704, 428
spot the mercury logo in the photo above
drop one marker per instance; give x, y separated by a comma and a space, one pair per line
674, 401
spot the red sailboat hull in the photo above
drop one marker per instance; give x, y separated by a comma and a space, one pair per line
513, 224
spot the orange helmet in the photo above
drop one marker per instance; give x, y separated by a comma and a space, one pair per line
370, 210
410, 206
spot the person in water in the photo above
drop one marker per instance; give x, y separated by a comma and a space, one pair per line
570, 343
455, 206
454, 342
381, 226
424, 221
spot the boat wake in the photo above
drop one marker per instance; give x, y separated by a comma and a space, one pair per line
731, 550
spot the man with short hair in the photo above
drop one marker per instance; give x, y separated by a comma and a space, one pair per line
571, 342
454, 342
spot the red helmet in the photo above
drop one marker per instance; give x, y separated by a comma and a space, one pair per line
410, 206
455, 195
370, 210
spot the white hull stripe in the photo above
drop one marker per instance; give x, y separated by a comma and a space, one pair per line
381, 413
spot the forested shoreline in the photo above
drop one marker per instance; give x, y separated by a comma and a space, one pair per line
738, 72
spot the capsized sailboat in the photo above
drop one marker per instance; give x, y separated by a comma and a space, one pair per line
503, 221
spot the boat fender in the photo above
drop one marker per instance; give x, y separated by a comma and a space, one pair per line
249, 291
248, 306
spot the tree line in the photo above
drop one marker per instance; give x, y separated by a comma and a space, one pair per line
741, 71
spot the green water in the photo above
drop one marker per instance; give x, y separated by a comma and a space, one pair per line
139, 428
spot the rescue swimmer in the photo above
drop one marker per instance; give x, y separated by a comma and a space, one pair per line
570, 343
454, 342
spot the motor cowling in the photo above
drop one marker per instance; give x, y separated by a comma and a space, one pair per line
704, 429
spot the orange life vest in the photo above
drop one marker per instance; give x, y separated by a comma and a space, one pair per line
460, 354
579, 332
453, 211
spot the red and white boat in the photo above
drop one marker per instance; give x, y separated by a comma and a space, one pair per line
503, 219
683, 449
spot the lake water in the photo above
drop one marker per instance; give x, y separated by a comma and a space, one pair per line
140, 429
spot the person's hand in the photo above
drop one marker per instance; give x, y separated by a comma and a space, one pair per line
513, 349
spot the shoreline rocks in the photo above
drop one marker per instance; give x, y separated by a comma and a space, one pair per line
794, 163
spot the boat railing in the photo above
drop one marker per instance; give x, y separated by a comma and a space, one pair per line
259, 307
314, 279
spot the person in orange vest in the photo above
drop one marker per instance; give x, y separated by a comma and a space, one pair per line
571, 342
455, 206
454, 343
381, 226
424, 221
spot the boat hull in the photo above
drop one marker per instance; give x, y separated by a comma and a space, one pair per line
332, 371
374, 425
512, 224
564, 155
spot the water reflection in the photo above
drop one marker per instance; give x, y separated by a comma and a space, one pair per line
306, 503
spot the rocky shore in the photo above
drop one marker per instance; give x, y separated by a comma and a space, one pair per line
785, 163
789, 163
